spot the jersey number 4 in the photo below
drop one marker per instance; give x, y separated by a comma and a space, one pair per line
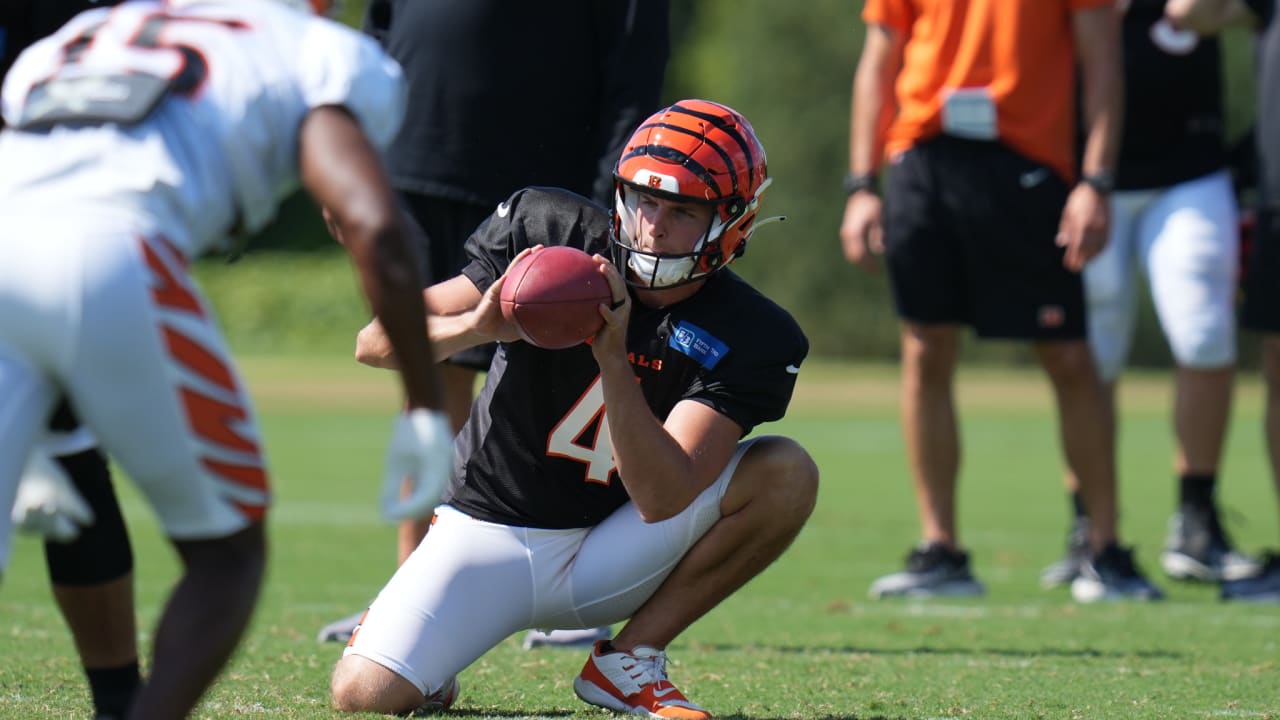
573, 438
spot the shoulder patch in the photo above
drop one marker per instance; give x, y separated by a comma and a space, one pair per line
700, 345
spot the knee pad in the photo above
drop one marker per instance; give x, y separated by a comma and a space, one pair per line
102, 552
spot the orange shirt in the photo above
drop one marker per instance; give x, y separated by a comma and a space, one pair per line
1021, 51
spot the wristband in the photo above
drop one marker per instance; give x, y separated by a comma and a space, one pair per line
866, 182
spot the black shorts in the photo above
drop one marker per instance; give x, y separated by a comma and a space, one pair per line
446, 225
1261, 308
970, 230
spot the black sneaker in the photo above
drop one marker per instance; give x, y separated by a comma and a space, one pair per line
1197, 548
1263, 586
1069, 567
1113, 575
932, 571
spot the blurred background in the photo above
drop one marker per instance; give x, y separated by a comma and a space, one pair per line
788, 68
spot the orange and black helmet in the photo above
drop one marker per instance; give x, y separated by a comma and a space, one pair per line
692, 151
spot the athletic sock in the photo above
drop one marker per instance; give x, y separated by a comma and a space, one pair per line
113, 688
1077, 506
1196, 490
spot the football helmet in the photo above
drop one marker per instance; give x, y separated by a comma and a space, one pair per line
693, 151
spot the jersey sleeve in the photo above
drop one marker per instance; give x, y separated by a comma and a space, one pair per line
533, 216
754, 383
340, 67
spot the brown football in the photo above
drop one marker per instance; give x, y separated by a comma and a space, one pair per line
553, 296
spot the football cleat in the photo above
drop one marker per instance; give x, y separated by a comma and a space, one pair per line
1198, 548
340, 630
1113, 575
932, 571
633, 682
442, 699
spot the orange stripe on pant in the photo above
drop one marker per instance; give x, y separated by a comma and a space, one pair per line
169, 291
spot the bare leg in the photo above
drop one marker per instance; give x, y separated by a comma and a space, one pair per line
102, 622
203, 621
1201, 412
1086, 424
930, 426
772, 493
362, 685
1109, 392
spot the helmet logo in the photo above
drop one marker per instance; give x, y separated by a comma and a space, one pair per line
657, 181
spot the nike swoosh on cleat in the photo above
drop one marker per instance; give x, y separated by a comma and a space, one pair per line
793, 369
659, 694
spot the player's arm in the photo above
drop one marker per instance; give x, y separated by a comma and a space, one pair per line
663, 466
1209, 17
1085, 218
459, 316
342, 170
871, 111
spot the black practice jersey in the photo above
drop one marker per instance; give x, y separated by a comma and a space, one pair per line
1173, 120
536, 451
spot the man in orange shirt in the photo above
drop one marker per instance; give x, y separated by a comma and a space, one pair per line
986, 225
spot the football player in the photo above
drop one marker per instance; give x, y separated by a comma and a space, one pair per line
610, 481
140, 137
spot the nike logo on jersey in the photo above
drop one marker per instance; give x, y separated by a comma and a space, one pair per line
793, 369
504, 209
1032, 178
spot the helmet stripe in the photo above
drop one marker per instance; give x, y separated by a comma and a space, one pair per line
730, 129
678, 157
724, 155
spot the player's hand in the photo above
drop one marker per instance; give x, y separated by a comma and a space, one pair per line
612, 337
1086, 219
862, 231
47, 503
488, 320
419, 459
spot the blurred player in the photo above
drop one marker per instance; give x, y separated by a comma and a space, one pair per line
139, 138
609, 480
1174, 217
1261, 311
985, 225
90, 568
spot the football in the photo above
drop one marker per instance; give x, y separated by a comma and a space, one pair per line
553, 296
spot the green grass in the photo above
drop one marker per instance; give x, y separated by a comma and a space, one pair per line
801, 641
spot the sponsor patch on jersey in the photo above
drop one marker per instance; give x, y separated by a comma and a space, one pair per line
702, 346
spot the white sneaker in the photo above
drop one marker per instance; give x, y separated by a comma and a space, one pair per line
566, 638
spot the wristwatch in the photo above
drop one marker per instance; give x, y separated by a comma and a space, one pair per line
1103, 181
858, 183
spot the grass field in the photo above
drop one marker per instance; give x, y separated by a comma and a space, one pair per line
801, 641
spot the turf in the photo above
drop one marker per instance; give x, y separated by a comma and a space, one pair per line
801, 641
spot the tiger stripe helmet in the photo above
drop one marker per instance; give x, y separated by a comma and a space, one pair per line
692, 151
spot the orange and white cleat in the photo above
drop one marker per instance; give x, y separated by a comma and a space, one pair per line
442, 699
633, 682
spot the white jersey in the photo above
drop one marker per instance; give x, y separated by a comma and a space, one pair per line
182, 114
141, 135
